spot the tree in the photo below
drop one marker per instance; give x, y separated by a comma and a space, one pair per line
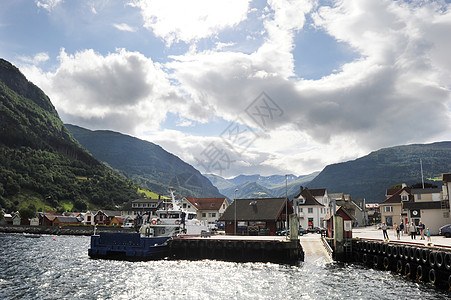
27, 213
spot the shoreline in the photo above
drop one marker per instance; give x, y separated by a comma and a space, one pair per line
65, 230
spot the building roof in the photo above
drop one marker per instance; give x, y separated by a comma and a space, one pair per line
318, 192
258, 209
110, 213
129, 204
339, 208
309, 199
396, 197
426, 191
64, 219
423, 205
206, 203
446, 177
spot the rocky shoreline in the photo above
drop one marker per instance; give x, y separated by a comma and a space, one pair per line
65, 230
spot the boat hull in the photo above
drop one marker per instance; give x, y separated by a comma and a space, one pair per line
129, 246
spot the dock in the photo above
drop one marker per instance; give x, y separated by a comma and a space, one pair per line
237, 248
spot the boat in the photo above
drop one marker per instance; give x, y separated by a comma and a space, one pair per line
151, 240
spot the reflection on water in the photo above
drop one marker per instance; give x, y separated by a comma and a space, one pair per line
58, 267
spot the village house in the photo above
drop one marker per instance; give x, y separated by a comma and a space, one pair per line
258, 216
347, 220
104, 217
427, 205
207, 209
356, 207
117, 221
311, 210
137, 207
391, 207
63, 221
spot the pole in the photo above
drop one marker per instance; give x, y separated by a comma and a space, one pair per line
286, 199
234, 200
421, 166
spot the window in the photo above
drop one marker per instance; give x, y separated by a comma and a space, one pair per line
89, 218
310, 210
184, 205
212, 215
223, 206
300, 209
388, 208
419, 196
204, 215
404, 197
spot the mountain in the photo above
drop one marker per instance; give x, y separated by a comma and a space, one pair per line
144, 162
369, 176
256, 186
40, 161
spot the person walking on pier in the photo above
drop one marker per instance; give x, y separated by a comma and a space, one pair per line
428, 234
421, 227
413, 231
401, 228
384, 230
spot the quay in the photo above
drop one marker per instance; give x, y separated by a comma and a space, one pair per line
238, 248
418, 260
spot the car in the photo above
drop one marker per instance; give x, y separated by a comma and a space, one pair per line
128, 225
302, 231
282, 232
445, 230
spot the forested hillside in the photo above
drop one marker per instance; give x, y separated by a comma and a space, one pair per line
145, 163
369, 176
41, 161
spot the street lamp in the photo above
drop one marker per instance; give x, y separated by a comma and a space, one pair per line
234, 200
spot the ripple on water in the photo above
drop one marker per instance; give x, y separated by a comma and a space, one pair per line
59, 268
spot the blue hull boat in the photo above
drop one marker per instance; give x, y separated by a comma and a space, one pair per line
129, 246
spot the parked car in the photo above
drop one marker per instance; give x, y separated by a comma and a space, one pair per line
302, 231
445, 230
282, 232
315, 229
128, 225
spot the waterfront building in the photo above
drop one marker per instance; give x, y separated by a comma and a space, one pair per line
356, 207
258, 216
63, 220
391, 207
428, 206
373, 211
104, 217
140, 206
311, 210
347, 220
208, 210
89, 217
117, 221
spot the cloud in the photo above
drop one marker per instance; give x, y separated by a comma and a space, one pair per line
125, 27
48, 5
36, 59
187, 21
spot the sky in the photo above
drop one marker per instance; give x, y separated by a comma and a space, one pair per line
242, 87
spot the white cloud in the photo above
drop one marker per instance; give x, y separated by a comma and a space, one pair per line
48, 5
36, 59
125, 27
180, 20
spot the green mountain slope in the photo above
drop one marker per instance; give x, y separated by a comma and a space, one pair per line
39, 158
145, 163
369, 176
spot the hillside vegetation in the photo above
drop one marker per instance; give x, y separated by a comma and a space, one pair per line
41, 162
145, 163
369, 176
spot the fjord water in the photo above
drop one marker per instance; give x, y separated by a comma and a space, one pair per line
58, 267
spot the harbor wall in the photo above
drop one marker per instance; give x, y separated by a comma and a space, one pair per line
239, 250
430, 264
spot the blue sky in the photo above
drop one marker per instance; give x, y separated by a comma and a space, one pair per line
242, 87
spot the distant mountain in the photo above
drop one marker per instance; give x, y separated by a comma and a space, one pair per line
145, 163
256, 186
40, 161
369, 176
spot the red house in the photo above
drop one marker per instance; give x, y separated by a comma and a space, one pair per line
348, 219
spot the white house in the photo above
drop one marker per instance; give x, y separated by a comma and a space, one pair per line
311, 211
207, 209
